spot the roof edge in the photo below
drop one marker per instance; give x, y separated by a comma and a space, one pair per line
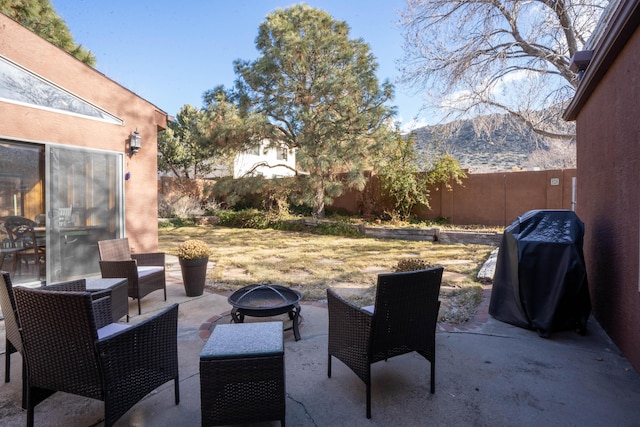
620, 28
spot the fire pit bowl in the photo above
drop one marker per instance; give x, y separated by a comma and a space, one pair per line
266, 300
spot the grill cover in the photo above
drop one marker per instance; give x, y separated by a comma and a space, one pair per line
540, 280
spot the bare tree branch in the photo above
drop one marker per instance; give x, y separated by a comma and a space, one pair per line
488, 56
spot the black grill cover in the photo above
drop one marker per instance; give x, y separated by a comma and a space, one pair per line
540, 280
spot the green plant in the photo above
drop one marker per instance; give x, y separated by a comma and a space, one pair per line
193, 249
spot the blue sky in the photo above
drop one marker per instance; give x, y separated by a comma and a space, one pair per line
170, 52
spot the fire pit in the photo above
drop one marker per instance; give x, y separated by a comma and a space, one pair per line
265, 300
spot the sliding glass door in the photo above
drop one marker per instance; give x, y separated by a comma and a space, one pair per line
84, 200
71, 197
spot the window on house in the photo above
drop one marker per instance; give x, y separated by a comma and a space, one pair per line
282, 154
20, 86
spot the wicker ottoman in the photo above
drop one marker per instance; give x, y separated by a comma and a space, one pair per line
242, 374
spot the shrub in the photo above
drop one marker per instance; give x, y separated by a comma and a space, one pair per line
411, 264
248, 218
180, 206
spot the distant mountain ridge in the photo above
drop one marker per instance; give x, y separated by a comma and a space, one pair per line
486, 144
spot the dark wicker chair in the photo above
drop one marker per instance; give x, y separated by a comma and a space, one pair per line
13, 334
145, 273
402, 320
69, 353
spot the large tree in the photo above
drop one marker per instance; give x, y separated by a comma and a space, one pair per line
484, 56
40, 17
184, 148
319, 92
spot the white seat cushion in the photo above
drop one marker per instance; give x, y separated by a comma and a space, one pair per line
146, 270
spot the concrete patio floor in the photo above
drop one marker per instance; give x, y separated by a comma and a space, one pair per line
488, 373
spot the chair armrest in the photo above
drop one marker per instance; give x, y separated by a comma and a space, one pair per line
148, 349
154, 258
120, 269
102, 308
349, 326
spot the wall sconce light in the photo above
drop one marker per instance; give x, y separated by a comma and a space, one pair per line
135, 142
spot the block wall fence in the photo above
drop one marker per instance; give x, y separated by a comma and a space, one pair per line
491, 199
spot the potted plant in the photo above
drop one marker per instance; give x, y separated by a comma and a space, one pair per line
193, 256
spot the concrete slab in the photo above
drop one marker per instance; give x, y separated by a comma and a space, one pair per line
488, 373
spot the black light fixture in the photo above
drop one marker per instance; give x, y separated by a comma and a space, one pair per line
135, 142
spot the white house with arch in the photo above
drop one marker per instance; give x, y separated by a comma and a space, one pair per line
265, 160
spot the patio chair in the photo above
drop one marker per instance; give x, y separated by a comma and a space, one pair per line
13, 333
22, 235
145, 272
66, 351
402, 320
13, 337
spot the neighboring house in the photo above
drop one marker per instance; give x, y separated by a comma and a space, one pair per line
608, 152
65, 135
265, 160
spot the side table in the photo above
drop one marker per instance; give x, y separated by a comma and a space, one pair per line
119, 294
242, 374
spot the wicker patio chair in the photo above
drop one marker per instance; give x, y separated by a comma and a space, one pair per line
13, 334
402, 320
69, 353
145, 272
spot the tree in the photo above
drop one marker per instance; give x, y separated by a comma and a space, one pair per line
184, 148
40, 17
402, 180
232, 130
479, 57
319, 93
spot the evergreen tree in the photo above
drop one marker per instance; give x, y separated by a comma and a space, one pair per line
318, 90
40, 17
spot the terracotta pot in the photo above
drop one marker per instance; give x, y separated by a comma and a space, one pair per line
194, 273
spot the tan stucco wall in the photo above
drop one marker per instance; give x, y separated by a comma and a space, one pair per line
492, 199
24, 123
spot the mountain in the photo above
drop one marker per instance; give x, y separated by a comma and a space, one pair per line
495, 143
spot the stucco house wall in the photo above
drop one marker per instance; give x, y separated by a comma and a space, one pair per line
608, 156
24, 123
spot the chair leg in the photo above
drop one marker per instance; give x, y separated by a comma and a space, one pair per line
30, 406
329, 367
7, 362
139, 307
369, 399
368, 385
433, 375
25, 384
176, 387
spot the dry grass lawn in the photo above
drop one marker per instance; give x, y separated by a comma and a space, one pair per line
310, 263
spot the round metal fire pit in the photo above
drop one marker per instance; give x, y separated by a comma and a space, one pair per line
265, 300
